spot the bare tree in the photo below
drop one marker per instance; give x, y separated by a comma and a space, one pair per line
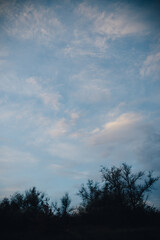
130, 188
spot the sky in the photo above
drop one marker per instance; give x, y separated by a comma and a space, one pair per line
79, 88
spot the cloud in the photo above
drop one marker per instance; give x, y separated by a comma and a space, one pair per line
91, 93
129, 138
117, 140
123, 129
87, 11
151, 66
119, 22
49, 98
65, 150
23, 115
31, 87
10, 156
74, 115
73, 50
64, 171
30, 21
59, 129
89, 86
94, 28
149, 151
86, 44
125, 120
4, 53
15, 169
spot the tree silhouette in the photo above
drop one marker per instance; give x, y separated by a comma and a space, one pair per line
64, 208
65, 203
119, 200
121, 196
130, 188
90, 195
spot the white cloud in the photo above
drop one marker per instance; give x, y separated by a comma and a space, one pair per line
87, 11
22, 115
31, 87
86, 43
124, 120
79, 134
119, 22
149, 151
92, 93
65, 171
117, 25
95, 130
95, 26
129, 137
74, 115
58, 129
90, 86
11, 156
49, 98
75, 50
32, 22
4, 53
64, 150
151, 66
125, 128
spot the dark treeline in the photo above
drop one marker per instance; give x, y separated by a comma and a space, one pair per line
119, 201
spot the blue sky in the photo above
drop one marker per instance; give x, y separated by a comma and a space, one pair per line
79, 88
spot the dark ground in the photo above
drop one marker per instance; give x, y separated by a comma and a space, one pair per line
88, 232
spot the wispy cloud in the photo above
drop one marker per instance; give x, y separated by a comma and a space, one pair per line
4, 53
64, 171
151, 66
10, 156
22, 115
48, 97
31, 22
95, 28
89, 86
119, 22
149, 151
123, 129
68, 151
58, 129
30, 87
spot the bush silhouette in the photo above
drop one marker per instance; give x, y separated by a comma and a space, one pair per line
120, 198
25, 211
64, 209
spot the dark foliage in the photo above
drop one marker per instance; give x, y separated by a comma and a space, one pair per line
118, 201
64, 210
26, 211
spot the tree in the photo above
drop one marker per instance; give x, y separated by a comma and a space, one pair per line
64, 208
130, 188
120, 196
36, 201
65, 203
89, 195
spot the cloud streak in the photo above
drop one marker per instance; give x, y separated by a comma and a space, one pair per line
123, 129
121, 22
32, 22
151, 66
64, 171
